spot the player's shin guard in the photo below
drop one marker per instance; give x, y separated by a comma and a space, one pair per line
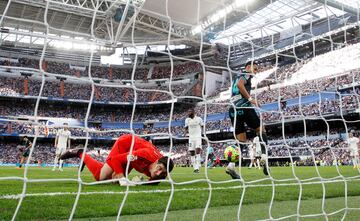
93, 165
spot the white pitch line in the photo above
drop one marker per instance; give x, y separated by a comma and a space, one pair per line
17, 196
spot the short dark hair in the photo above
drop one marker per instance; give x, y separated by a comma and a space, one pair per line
251, 62
164, 161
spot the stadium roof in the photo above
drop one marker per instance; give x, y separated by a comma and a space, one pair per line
184, 12
283, 16
106, 22
109, 20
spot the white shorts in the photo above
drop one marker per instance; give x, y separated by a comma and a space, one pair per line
194, 144
252, 155
60, 151
354, 153
258, 154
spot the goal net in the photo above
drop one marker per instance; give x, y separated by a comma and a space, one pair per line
108, 68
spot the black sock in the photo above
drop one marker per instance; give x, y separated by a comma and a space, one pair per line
20, 165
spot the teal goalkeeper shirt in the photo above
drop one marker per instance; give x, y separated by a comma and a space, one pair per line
236, 96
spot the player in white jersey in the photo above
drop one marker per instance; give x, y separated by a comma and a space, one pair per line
194, 125
254, 154
251, 151
354, 148
62, 142
257, 147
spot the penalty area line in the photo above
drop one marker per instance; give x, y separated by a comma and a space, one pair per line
17, 196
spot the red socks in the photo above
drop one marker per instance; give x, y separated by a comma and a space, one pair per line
93, 165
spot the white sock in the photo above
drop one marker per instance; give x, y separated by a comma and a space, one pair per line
56, 161
198, 161
258, 163
251, 164
192, 158
231, 166
60, 164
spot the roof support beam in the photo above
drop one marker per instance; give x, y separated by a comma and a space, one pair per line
79, 24
314, 15
83, 8
339, 5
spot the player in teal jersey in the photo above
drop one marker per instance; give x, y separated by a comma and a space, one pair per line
25, 151
211, 157
244, 112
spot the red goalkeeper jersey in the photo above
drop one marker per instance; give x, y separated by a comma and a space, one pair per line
144, 153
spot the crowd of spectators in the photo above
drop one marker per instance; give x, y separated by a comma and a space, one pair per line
280, 73
312, 110
317, 110
338, 106
327, 63
331, 84
105, 72
178, 70
97, 113
15, 87
322, 150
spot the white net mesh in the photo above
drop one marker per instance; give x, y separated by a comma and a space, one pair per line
307, 91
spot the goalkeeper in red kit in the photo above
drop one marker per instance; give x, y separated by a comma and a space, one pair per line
144, 158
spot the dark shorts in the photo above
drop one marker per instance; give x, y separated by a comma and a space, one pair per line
244, 115
26, 153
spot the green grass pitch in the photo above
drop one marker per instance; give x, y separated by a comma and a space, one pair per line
54, 200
